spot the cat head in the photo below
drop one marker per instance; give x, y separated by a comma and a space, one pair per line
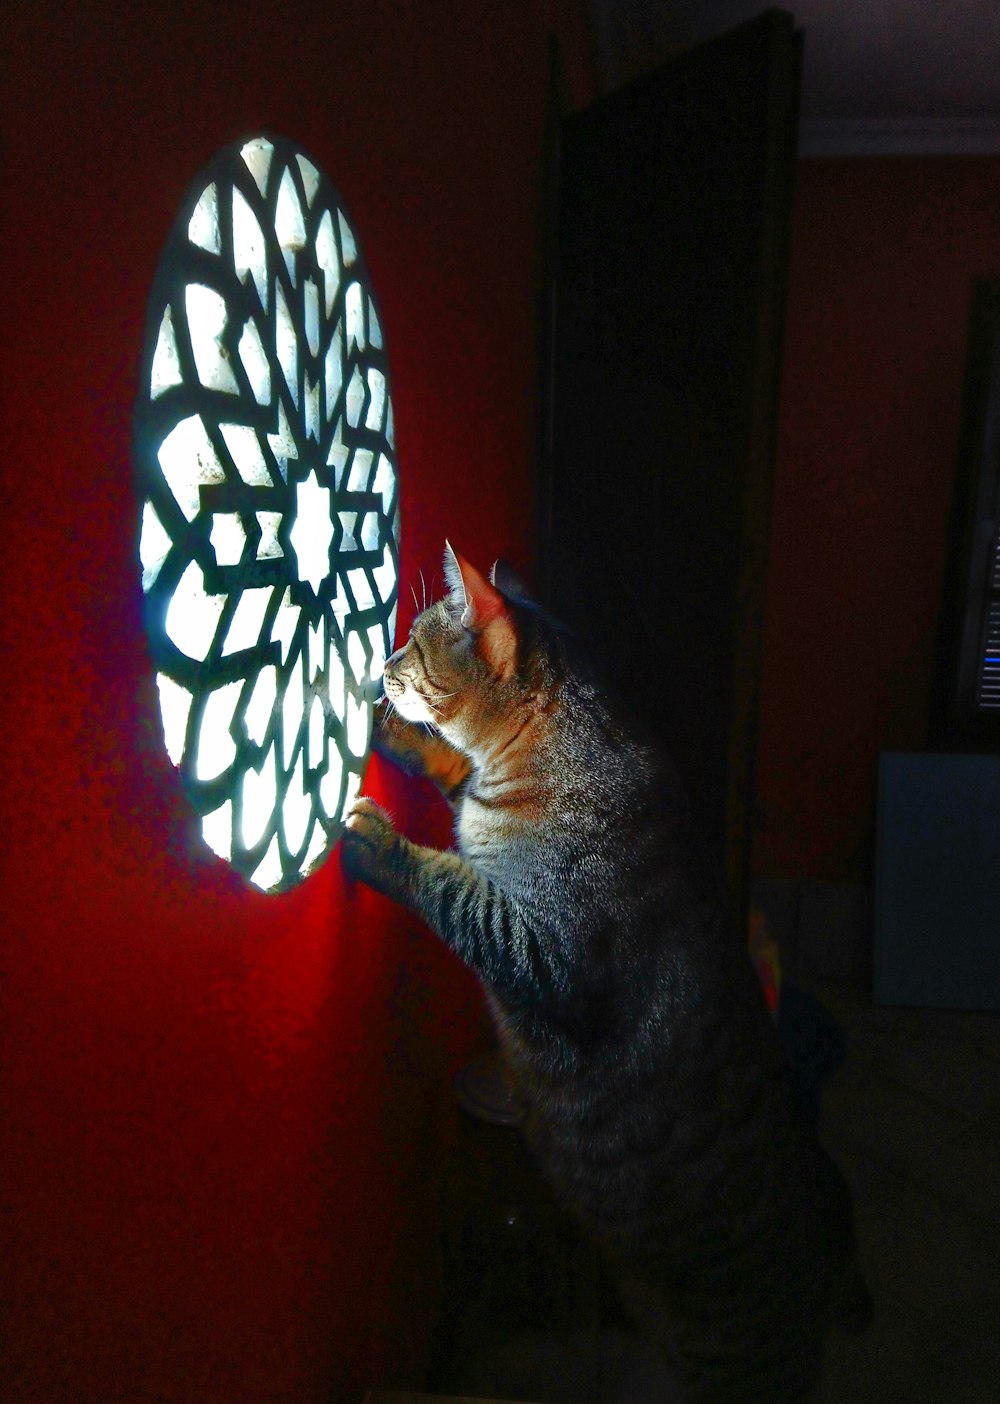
471, 658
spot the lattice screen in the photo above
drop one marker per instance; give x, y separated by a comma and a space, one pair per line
266, 464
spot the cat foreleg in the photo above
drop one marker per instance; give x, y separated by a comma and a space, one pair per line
476, 920
419, 750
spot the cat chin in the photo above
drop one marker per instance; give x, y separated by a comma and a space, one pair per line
413, 708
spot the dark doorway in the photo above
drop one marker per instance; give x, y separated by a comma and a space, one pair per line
670, 249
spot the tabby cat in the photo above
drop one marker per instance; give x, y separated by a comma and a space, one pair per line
634, 1024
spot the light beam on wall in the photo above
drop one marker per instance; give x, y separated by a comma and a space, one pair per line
269, 530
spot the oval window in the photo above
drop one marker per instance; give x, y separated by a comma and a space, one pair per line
266, 466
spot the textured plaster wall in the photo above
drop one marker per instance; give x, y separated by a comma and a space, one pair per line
222, 1112
883, 256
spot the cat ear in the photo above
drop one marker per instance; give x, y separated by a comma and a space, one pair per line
510, 584
482, 603
453, 572
484, 611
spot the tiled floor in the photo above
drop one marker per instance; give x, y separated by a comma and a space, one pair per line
913, 1117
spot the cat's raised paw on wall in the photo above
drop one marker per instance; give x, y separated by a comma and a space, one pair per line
369, 840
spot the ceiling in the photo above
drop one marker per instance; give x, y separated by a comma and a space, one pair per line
878, 74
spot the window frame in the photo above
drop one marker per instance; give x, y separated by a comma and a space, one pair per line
972, 579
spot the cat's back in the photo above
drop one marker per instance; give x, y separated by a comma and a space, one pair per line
599, 827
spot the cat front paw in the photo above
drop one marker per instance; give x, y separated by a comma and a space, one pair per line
369, 843
397, 739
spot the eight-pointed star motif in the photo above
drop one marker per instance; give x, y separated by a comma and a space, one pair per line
312, 534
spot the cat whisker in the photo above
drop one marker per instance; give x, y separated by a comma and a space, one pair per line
432, 704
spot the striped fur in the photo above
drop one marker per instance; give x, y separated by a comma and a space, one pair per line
636, 1028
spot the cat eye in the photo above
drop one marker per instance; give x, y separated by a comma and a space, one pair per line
268, 545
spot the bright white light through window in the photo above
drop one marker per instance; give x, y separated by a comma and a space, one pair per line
269, 528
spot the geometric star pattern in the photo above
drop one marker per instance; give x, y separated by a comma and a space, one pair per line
265, 461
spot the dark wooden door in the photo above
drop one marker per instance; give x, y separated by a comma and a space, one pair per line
670, 247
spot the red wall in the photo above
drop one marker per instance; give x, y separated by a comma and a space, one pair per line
883, 256
221, 1111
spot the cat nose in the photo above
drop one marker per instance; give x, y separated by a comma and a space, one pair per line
394, 660
388, 682
376, 687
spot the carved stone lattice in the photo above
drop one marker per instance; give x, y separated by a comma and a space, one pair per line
266, 465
